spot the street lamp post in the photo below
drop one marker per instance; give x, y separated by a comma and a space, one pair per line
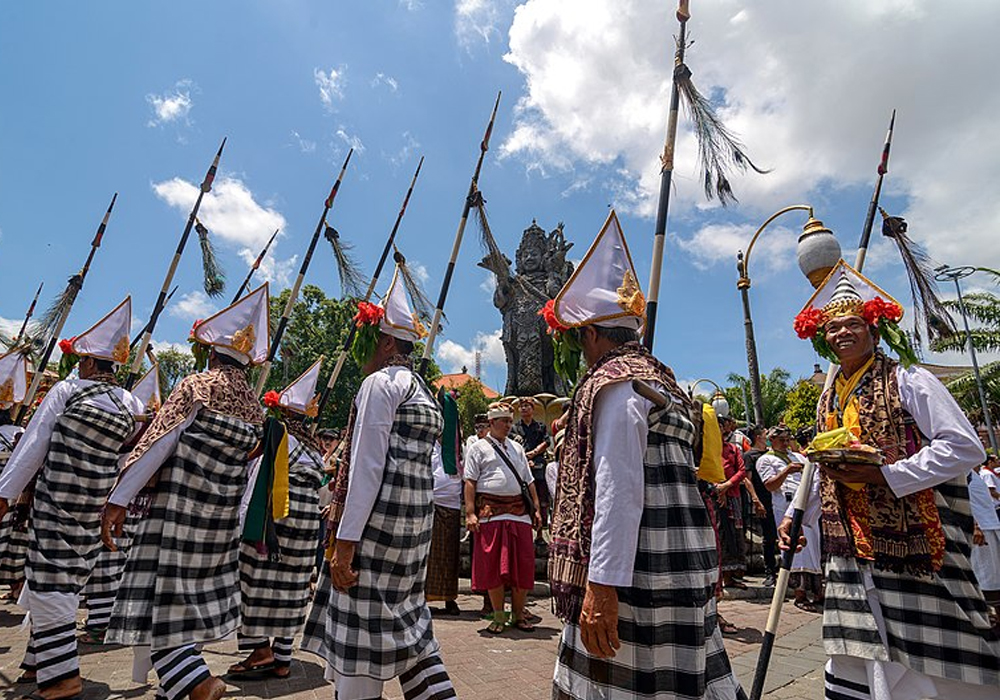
955, 274
720, 404
817, 252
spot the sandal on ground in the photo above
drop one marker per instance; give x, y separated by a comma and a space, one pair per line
26, 678
727, 627
39, 696
806, 605
524, 625
736, 584
498, 624
92, 635
532, 618
244, 669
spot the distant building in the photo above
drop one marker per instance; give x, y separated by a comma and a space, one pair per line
460, 379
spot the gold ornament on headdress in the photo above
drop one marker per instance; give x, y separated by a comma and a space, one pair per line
630, 296
7, 391
312, 408
120, 353
243, 339
845, 301
419, 327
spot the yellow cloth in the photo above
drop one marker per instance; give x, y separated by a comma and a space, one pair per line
850, 411
279, 490
710, 468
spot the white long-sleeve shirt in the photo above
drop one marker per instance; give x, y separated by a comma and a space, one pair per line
954, 448
381, 393
620, 430
132, 480
33, 448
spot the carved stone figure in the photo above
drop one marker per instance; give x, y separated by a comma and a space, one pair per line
541, 271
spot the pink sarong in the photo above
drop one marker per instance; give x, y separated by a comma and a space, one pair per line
505, 555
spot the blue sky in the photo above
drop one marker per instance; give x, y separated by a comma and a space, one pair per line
135, 98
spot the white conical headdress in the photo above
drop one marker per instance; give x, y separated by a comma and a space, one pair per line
845, 291
147, 390
399, 320
300, 396
604, 290
13, 378
241, 331
108, 338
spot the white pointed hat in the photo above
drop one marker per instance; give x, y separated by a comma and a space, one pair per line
105, 340
604, 290
399, 320
241, 331
147, 390
13, 378
300, 396
845, 291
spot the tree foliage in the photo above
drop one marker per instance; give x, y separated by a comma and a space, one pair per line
471, 400
174, 366
800, 409
966, 393
773, 390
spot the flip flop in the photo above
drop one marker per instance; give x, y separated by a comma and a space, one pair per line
496, 627
524, 625
727, 627
248, 671
805, 605
39, 696
91, 636
25, 678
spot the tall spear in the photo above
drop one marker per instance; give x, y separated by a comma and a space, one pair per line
253, 268
470, 200
27, 316
325, 397
283, 323
60, 312
809, 472
135, 340
161, 301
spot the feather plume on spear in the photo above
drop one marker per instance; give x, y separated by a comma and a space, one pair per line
928, 311
214, 277
352, 279
422, 305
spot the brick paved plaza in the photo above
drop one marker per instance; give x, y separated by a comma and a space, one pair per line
511, 666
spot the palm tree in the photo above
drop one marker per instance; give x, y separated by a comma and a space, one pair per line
982, 308
773, 391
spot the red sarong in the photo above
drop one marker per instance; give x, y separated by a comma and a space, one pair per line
505, 555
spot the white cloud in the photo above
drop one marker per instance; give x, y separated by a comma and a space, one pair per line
305, 145
233, 215
352, 140
812, 106
331, 85
411, 5
715, 243
452, 356
418, 271
163, 345
172, 105
406, 151
387, 80
477, 21
192, 306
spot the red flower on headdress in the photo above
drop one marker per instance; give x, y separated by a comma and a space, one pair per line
368, 314
66, 346
272, 399
878, 308
194, 327
807, 323
548, 312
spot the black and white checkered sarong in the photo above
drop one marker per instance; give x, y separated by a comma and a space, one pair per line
382, 627
275, 593
667, 620
79, 471
181, 583
937, 625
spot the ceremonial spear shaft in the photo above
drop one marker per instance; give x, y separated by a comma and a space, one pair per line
161, 301
27, 316
809, 471
283, 323
325, 397
253, 268
73, 288
666, 176
446, 283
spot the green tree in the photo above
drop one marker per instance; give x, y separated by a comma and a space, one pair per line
801, 402
174, 366
773, 390
471, 400
967, 394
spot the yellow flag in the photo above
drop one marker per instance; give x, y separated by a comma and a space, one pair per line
279, 492
710, 468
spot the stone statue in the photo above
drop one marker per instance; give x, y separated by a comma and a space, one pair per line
542, 270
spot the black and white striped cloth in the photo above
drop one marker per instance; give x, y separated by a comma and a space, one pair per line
382, 627
13, 541
102, 586
937, 625
668, 624
275, 590
181, 581
179, 671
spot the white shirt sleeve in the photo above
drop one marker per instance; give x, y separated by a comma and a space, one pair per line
131, 481
620, 432
377, 401
31, 451
516, 454
954, 447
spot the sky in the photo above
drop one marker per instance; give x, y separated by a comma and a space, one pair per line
135, 98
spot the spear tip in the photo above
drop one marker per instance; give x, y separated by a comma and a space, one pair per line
219, 154
114, 198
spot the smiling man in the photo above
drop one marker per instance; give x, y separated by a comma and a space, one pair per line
904, 616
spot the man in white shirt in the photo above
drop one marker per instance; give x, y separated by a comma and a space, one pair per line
482, 425
501, 519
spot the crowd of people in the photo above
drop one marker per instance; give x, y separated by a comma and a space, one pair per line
212, 516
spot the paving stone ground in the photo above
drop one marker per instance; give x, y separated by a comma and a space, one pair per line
511, 666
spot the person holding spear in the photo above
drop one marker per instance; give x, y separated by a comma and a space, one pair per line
904, 616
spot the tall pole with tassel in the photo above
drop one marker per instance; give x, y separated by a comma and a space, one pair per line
470, 200
27, 316
342, 357
253, 268
666, 176
283, 323
883, 168
161, 301
73, 288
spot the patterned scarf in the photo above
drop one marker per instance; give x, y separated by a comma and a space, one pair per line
870, 522
342, 479
573, 511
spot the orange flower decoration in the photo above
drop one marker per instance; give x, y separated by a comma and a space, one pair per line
548, 312
368, 314
66, 346
878, 308
807, 323
272, 399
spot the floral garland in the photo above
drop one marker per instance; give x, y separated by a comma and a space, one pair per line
565, 344
272, 401
884, 315
69, 358
367, 321
198, 349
